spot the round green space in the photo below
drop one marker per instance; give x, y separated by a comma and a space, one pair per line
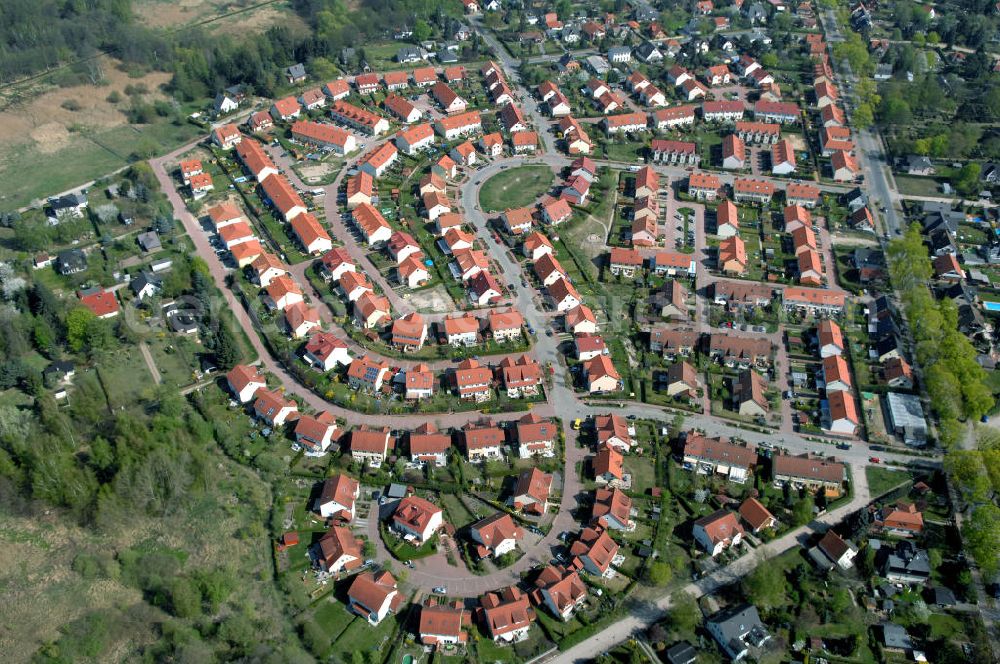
515, 188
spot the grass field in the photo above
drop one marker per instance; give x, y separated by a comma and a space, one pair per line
883, 480
515, 188
918, 186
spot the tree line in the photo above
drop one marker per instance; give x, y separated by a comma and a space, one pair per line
954, 380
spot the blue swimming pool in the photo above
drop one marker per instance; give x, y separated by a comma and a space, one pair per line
991, 306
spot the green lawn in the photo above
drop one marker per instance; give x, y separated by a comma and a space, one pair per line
883, 480
517, 187
28, 173
362, 636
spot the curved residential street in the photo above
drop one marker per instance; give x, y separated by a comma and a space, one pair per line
561, 399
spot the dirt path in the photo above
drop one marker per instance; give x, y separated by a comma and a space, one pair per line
150, 364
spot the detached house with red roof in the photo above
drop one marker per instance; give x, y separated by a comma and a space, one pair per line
596, 551
273, 408
531, 492
613, 510
495, 535
365, 373
370, 445
717, 532
286, 109
374, 595
473, 381
441, 624
102, 303
416, 519
325, 351
535, 436
902, 519
409, 332
428, 445
338, 550
756, 515
507, 615
522, 377
227, 136
315, 432
244, 381
337, 498
560, 590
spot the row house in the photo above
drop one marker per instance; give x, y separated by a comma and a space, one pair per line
673, 263
718, 456
280, 194
782, 158
808, 471
674, 152
625, 262
758, 133
806, 195
732, 256
449, 100
843, 166
373, 226
402, 109
722, 111
734, 152
324, 136
673, 343
360, 188
513, 119
746, 190
463, 124
704, 186
358, 118
776, 111
255, 160
577, 139
739, 352
673, 118
416, 138
626, 123
814, 300
738, 295
311, 235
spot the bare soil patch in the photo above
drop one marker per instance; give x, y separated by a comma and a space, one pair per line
434, 300
43, 120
